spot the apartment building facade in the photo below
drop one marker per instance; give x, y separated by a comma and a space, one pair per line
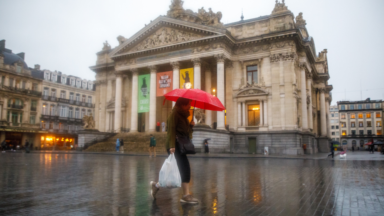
334, 123
360, 122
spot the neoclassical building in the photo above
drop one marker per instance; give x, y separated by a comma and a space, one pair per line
265, 70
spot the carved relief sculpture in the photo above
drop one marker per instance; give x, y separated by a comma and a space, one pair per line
200, 116
89, 122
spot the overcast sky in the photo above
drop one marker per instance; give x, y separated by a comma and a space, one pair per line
65, 35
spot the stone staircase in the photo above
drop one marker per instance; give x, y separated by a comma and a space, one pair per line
133, 143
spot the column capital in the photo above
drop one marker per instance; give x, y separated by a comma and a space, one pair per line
309, 75
118, 74
321, 90
135, 70
220, 58
153, 68
196, 62
229, 64
175, 65
303, 66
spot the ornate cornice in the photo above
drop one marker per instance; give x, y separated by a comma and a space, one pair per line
321, 90
229, 64
119, 73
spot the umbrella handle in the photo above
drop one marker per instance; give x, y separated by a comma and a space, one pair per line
193, 113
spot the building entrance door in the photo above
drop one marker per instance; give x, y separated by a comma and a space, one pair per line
141, 122
252, 145
13, 139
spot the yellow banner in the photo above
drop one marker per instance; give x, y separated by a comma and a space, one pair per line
186, 76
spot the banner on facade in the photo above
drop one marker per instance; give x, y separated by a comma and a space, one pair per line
164, 83
144, 89
186, 77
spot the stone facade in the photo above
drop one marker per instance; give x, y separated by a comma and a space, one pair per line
265, 71
360, 122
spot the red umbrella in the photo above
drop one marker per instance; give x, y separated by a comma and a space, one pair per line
199, 98
368, 143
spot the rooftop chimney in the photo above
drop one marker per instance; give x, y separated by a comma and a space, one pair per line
2, 45
22, 55
37, 66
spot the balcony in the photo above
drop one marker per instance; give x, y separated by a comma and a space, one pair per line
45, 97
53, 98
21, 91
71, 101
79, 120
63, 100
33, 109
14, 106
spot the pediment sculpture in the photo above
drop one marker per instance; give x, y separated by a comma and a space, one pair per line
251, 92
166, 36
202, 17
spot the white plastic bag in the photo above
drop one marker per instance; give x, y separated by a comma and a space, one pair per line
169, 174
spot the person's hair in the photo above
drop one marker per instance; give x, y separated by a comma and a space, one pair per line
151, 135
182, 102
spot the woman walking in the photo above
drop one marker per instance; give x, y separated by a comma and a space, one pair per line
152, 146
177, 126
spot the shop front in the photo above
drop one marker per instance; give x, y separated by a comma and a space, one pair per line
57, 141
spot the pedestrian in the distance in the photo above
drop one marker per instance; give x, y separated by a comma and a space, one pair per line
353, 148
178, 125
332, 151
122, 146
152, 146
162, 126
158, 126
117, 145
26, 146
206, 147
3, 146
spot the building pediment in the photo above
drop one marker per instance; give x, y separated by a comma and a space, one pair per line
164, 32
251, 91
111, 103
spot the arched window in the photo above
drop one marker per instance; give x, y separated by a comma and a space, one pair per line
345, 142
77, 113
70, 114
354, 143
361, 143
82, 113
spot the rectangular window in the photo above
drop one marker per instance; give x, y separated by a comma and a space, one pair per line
377, 106
367, 106
77, 113
23, 84
60, 126
351, 107
378, 123
34, 87
10, 82
333, 127
77, 97
378, 115
89, 99
342, 107
333, 133
252, 76
369, 132
3, 80
332, 115
352, 124
253, 115
353, 132
361, 132
342, 116
337, 134
46, 91
337, 127
360, 115
368, 115
33, 105
63, 80
353, 116
71, 96
336, 114
32, 119
361, 124
344, 133
62, 94
369, 124
343, 125
83, 98
70, 115
53, 93
378, 132
360, 106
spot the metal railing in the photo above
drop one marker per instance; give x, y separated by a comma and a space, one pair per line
21, 90
15, 106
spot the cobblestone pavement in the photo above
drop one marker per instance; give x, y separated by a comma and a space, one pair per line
92, 184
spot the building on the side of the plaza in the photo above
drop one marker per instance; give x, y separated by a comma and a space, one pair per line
64, 102
265, 70
360, 122
334, 123
20, 95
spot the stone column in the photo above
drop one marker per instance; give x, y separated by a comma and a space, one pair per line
118, 99
107, 125
239, 114
265, 112
152, 100
109, 90
176, 77
303, 94
323, 120
310, 112
270, 112
282, 110
220, 90
134, 117
208, 86
261, 113
196, 73
5, 109
327, 101
243, 114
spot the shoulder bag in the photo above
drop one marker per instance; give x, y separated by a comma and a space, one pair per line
185, 145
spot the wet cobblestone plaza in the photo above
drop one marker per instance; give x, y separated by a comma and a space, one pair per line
94, 184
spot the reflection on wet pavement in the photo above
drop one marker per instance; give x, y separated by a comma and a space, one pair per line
77, 184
